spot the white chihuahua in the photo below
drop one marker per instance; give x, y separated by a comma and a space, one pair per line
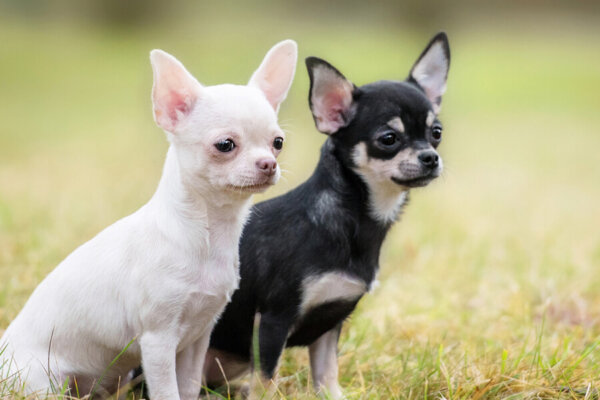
152, 285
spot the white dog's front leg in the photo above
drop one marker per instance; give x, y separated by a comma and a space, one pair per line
158, 361
190, 363
324, 364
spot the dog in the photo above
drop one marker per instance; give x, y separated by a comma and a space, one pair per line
150, 287
308, 257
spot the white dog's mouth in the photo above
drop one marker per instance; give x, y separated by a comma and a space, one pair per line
254, 188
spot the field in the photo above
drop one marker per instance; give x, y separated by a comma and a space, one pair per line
489, 286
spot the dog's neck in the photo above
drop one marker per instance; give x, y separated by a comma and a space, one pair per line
379, 207
177, 203
342, 206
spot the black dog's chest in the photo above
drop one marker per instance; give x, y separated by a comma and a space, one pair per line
319, 320
327, 299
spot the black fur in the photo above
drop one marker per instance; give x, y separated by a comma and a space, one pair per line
295, 236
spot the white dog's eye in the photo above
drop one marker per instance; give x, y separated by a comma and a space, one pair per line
225, 146
436, 132
278, 143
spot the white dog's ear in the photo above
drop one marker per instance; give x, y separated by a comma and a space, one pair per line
430, 71
275, 74
175, 90
331, 96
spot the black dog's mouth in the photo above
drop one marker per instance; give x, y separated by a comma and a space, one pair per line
415, 182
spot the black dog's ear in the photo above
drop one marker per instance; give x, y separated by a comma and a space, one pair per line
330, 96
431, 69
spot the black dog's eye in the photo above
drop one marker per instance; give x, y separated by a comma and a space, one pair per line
388, 139
278, 143
225, 146
436, 132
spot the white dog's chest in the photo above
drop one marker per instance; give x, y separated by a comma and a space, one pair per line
206, 298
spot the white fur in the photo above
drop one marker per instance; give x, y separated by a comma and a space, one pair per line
324, 365
329, 287
161, 276
274, 76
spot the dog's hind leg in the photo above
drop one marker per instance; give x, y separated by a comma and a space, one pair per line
39, 380
324, 364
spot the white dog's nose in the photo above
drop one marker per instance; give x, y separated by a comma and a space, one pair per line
267, 166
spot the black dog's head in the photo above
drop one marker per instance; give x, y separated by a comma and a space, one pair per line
387, 131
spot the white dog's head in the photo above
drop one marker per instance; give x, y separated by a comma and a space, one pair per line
226, 137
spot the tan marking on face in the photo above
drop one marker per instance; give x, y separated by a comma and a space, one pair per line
387, 197
359, 155
430, 118
378, 170
396, 124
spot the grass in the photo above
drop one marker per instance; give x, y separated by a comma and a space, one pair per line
489, 285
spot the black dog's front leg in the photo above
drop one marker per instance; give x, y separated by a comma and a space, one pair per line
272, 335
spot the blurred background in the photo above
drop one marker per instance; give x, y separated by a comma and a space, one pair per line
490, 282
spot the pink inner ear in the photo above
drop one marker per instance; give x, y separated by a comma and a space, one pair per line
171, 108
336, 99
177, 106
335, 116
332, 108
271, 94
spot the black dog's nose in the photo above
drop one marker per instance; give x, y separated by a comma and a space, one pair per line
429, 159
